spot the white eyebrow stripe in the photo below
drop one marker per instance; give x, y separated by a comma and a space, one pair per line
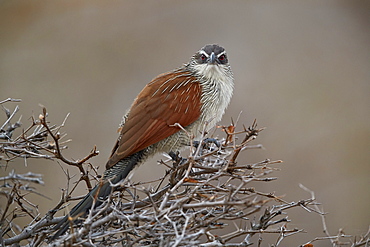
222, 53
204, 53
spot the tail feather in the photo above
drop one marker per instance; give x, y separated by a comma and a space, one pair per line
82, 208
100, 192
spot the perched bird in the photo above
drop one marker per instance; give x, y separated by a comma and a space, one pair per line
196, 93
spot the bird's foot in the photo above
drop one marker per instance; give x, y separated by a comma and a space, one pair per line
207, 141
175, 156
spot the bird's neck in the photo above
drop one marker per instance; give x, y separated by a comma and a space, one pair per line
217, 85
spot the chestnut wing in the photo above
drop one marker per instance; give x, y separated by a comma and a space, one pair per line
168, 99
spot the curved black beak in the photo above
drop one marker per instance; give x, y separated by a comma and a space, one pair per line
212, 58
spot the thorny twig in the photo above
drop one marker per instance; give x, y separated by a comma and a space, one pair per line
198, 196
336, 240
33, 142
203, 195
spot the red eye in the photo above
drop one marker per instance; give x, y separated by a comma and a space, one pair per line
203, 57
221, 58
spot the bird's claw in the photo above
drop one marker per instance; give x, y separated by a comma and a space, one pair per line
207, 141
175, 156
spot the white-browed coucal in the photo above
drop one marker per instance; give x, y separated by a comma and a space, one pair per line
191, 96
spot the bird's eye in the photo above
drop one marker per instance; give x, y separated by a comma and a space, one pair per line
203, 57
222, 58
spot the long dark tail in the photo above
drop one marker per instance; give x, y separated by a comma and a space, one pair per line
83, 207
100, 192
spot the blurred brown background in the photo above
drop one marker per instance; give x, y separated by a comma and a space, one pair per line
302, 69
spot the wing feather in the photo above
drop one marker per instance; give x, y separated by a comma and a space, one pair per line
168, 99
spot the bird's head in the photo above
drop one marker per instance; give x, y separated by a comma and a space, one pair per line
211, 62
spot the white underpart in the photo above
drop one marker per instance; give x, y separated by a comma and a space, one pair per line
217, 92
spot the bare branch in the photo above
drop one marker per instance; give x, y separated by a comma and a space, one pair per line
203, 199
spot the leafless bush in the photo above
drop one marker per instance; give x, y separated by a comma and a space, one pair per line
205, 199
